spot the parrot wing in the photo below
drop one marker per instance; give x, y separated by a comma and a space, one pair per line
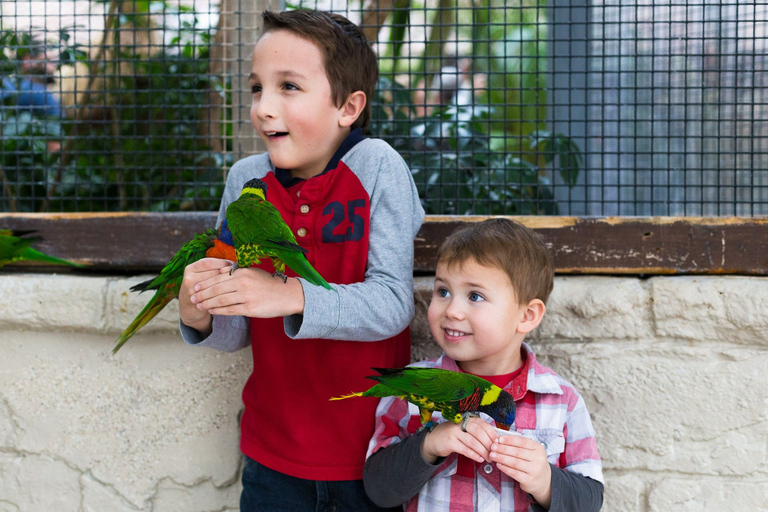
435, 383
255, 221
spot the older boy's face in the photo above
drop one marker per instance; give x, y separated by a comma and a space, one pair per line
474, 317
292, 108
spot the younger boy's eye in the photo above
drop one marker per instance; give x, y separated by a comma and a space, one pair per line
475, 297
442, 292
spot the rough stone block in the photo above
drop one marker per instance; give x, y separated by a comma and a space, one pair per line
704, 308
697, 494
52, 302
32, 482
665, 406
582, 308
625, 493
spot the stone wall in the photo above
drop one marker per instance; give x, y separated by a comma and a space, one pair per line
674, 371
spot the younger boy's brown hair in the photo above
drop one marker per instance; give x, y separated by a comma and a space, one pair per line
349, 61
509, 246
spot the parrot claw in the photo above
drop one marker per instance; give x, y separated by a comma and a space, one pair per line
234, 267
280, 274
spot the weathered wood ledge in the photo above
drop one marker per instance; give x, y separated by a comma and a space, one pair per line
144, 241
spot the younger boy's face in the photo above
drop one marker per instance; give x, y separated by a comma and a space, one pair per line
474, 317
292, 109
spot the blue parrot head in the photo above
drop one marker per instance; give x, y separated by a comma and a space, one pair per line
502, 410
255, 187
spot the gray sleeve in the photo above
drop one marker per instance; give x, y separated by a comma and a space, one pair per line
229, 333
397, 473
572, 492
382, 305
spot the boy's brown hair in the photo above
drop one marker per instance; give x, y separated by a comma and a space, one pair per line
349, 61
508, 246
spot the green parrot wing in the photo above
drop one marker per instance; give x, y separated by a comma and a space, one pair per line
437, 384
173, 271
255, 221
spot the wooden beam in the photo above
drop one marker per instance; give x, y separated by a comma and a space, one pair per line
610, 245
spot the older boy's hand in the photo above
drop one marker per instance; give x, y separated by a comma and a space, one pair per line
194, 274
525, 460
249, 292
447, 438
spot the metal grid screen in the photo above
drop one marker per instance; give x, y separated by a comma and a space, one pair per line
500, 107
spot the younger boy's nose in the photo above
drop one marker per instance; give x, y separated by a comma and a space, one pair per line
454, 310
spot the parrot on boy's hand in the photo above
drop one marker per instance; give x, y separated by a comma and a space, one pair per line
456, 395
168, 282
15, 248
259, 231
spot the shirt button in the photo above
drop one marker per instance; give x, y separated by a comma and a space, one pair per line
488, 469
298, 193
304, 208
302, 232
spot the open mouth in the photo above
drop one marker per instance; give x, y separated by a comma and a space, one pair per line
275, 134
455, 334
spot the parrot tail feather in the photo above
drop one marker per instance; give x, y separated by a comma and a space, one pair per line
35, 255
153, 307
342, 397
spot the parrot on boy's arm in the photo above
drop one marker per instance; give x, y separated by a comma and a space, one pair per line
456, 395
208, 244
15, 248
259, 231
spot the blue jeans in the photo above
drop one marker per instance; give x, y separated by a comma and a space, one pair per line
268, 490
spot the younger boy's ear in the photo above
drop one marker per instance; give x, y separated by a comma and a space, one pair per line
352, 108
532, 316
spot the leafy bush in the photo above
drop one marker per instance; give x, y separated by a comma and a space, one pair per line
457, 171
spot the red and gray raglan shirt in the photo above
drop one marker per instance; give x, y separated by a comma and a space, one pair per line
357, 221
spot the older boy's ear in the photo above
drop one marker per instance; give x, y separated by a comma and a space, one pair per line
352, 108
532, 316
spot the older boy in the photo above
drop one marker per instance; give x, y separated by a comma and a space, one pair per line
491, 283
352, 203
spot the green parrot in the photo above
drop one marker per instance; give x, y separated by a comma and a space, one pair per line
15, 248
456, 395
168, 282
259, 231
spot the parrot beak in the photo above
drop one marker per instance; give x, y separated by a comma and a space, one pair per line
502, 426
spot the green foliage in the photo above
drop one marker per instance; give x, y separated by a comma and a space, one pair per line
145, 150
457, 170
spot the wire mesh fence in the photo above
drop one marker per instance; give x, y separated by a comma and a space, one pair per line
575, 107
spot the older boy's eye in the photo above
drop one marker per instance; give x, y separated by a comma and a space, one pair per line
291, 87
255, 89
475, 297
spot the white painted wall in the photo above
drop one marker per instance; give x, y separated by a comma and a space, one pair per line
674, 371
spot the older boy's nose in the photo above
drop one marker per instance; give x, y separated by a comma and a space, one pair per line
264, 107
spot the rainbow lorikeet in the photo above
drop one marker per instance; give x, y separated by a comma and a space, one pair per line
454, 394
15, 248
259, 231
168, 282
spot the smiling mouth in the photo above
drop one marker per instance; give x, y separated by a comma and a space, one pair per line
275, 134
455, 334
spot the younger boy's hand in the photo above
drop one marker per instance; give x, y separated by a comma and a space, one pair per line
194, 274
447, 438
525, 460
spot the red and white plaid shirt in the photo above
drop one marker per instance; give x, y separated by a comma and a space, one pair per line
549, 409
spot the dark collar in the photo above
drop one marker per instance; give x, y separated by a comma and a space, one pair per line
284, 175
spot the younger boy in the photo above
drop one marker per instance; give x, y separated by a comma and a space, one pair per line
352, 203
491, 283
